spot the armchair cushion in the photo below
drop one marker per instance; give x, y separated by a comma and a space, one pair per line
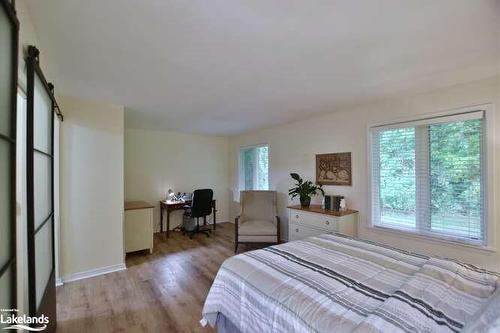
257, 239
257, 228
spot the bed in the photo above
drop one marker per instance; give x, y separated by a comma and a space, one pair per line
333, 283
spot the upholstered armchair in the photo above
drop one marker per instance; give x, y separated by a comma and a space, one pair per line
258, 222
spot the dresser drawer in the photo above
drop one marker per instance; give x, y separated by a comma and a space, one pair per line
299, 231
322, 221
315, 220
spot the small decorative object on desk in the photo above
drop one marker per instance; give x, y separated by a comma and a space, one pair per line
170, 195
304, 190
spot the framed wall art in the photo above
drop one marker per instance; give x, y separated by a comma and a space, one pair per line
334, 169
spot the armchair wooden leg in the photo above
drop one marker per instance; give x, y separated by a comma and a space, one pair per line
236, 220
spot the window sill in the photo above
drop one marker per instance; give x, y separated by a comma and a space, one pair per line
412, 235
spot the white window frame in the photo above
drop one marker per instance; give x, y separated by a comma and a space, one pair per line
241, 181
489, 243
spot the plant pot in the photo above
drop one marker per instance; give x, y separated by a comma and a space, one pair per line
305, 201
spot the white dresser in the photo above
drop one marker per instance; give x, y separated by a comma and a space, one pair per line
138, 226
314, 220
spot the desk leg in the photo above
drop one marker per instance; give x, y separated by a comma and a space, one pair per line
161, 218
168, 221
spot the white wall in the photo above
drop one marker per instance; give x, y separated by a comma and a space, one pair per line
156, 161
28, 36
293, 147
91, 183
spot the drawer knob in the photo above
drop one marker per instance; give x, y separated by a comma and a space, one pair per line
297, 216
297, 230
327, 222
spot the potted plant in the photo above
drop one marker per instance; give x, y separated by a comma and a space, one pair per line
304, 190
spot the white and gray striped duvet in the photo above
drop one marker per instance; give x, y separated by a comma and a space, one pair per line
332, 283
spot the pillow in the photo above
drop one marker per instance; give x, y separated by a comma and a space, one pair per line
487, 318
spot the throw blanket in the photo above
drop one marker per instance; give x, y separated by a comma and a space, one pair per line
332, 283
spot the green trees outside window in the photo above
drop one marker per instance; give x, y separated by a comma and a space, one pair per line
254, 168
429, 177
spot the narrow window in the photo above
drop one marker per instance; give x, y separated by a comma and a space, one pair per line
254, 168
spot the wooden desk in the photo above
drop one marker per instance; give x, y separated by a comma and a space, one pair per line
170, 206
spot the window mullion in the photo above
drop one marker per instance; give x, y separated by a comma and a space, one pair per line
256, 168
375, 170
422, 179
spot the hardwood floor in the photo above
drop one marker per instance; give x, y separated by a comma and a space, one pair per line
159, 292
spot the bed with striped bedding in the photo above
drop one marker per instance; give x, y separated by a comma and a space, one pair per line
333, 283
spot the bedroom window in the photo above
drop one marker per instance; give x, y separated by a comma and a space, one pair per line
254, 168
428, 176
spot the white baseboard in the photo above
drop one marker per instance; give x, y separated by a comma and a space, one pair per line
92, 273
59, 282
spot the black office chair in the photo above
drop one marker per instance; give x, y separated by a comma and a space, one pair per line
201, 206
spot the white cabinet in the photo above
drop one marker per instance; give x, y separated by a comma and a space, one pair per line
314, 220
138, 226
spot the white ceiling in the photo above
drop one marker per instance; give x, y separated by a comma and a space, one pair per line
231, 66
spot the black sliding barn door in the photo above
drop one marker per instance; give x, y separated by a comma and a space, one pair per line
40, 191
8, 90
